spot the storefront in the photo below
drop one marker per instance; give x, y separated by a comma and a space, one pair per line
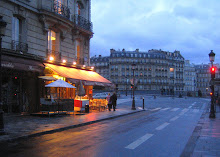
80, 78
20, 83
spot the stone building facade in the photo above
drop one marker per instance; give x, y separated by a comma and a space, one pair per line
190, 79
38, 31
156, 71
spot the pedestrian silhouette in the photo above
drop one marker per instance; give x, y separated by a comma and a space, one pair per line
109, 101
113, 99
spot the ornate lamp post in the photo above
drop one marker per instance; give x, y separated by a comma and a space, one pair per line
3, 25
212, 59
133, 102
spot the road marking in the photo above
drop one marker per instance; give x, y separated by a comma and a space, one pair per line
164, 109
196, 110
162, 126
175, 109
156, 109
193, 103
190, 107
174, 118
139, 141
184, 111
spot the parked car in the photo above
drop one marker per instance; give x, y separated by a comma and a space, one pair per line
100, 96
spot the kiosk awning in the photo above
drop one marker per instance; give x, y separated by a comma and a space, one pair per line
77, 74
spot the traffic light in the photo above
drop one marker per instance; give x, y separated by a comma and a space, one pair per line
211, 93
213, 70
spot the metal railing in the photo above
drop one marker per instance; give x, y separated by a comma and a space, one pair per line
19, 46
55, 54
82, 22
61, 9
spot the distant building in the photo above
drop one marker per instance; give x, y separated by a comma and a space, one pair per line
101, 65
204, 77
156, 71
189, 79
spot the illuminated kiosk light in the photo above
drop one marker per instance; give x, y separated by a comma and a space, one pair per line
51, 58
64, 61
74, 63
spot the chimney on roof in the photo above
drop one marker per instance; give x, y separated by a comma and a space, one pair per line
123, 50
112, 50
137, 50
100, 56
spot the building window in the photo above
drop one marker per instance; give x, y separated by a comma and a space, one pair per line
53, 45
171, 69
16, 29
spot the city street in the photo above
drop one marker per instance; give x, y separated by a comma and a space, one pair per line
162, 130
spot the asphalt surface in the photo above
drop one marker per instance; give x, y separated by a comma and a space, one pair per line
162, 130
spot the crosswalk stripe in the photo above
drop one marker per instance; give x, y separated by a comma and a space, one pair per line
164, 109
193, 103
156, 109
184, 111
175, 109
139, 141
196, 110
162, 126
174, 118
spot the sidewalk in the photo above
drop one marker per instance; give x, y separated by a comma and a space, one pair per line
205, 140
18, 126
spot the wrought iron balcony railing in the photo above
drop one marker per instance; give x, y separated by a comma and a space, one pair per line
19, 46
61, 9
82, 22
55, 54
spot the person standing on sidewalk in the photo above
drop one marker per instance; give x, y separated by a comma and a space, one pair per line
109, 102
113, 99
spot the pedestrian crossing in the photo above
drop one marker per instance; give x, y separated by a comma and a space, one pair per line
182, 110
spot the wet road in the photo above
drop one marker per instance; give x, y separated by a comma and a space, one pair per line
162, 130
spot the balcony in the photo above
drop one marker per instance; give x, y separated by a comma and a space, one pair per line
82, 22
55, 54
19, 46
56, 7
61, 9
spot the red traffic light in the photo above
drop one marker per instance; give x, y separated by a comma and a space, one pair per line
211, 93
213, 69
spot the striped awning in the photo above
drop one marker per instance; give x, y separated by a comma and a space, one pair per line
74, 75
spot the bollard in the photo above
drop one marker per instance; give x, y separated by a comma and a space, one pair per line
143, 103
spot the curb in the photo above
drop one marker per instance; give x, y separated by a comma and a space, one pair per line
191, 144
65, 128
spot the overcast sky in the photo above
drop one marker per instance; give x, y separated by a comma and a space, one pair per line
190, 26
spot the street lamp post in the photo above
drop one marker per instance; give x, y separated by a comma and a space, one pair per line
3, 25
126, 87
212, 59
133, 102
